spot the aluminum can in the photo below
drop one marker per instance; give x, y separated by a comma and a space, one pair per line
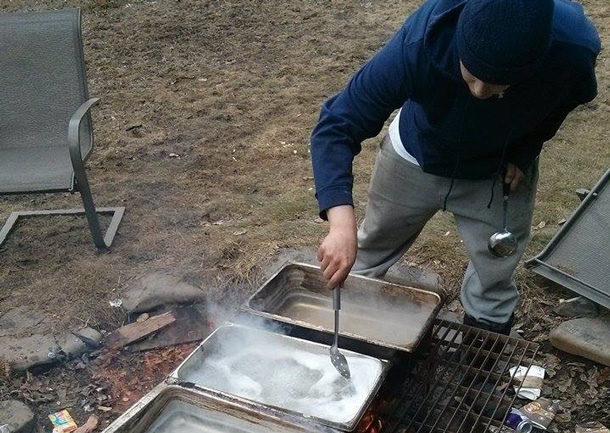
518, 422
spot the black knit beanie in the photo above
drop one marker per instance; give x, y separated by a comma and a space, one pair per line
504, 41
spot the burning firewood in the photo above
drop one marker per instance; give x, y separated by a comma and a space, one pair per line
138, 330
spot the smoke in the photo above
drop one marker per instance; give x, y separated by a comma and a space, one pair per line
227, 311
275, 370
253, 359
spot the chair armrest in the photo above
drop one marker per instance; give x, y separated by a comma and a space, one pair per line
74, 132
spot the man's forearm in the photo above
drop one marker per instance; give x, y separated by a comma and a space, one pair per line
342, 218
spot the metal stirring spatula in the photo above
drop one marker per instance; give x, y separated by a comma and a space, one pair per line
336, 357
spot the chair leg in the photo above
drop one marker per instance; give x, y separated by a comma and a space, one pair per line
90, 212
92, 218
8, 226
116, 213
78, 165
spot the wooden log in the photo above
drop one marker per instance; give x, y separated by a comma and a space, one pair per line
191, 325
138, 330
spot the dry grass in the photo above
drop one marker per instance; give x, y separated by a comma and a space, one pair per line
234, 88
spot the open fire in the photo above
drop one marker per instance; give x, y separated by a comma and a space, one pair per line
371, 422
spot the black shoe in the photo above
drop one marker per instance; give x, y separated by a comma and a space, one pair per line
481, 352
499, 328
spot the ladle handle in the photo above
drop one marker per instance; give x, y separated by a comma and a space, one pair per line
505, 193
336, 307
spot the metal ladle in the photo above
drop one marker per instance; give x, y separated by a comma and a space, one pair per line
336, 357
503, 243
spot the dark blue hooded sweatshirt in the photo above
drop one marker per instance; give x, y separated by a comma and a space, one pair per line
450, 132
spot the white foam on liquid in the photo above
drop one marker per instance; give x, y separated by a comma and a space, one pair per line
298, 380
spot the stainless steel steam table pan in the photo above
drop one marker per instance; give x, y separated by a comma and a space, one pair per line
220, 347
171, 409
372, 311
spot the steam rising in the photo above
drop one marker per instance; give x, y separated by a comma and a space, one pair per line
273, 370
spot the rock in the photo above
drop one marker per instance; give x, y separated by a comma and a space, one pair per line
586, 337
74, 344
18, 416
22, 320
582, 193
23, 342
89, 336
591, 427
414, 276
23, 353
158, 289
70, 346
133, 126
449, 316
455, 306
577, 307
17, 319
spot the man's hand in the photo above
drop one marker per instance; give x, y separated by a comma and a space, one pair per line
338, 249
514, 175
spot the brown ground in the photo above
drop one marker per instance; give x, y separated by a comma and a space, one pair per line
233, 87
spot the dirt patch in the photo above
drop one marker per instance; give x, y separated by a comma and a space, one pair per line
106, 385
203, 134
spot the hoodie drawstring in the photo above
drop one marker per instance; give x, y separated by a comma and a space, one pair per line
455, 169
457, 161
500, 171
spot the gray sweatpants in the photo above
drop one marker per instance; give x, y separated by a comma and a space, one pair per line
402, 198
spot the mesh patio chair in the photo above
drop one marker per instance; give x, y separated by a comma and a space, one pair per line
45, 123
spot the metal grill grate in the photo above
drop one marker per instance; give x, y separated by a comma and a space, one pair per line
577, 256
461, 383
